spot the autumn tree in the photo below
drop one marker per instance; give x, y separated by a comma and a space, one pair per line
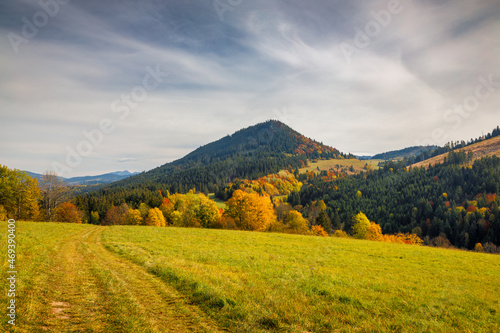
374, 232
113, 216
133, 217
191, 210
318, 230
155, 218
116, 215
360, 226
19, 194
67, 212
54, 192
250, 211
295, 223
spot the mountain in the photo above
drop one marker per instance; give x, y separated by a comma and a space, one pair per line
488, 147
402, 153
250, 153
106, 178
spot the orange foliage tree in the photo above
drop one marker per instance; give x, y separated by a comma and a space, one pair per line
67, 212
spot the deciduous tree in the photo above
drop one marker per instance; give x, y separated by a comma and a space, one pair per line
67, 212
155, 218
54, 192
360, 226
250, 211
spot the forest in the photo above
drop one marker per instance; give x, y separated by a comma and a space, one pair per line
450, 204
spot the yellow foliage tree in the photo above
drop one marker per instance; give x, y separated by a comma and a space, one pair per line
340, 233
295, 223
191, 210
133, 217
250, 211
155, 218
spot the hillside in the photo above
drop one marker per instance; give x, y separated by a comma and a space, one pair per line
489, 147
446, 203
250, 153
403, 153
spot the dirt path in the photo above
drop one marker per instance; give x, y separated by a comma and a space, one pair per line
95, 291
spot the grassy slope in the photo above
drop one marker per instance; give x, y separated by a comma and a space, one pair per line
140, 279
330, 165
481, 149
257, 282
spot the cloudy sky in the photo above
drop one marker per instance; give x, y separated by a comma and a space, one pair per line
95, 86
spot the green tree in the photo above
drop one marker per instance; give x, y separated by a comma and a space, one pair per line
360, 226
94, 218
324, 221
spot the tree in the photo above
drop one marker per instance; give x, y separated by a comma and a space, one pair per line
67, 212
94, 218
296, 224
478, 247
250, 211
318, 230
360, 226
324, 222
19, 194
155, 218
54, 192
113, 216
374, 232
133, 217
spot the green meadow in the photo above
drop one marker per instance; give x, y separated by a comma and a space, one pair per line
147, 279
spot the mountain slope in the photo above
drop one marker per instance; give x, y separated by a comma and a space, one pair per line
402, 153
489, 147
250, 153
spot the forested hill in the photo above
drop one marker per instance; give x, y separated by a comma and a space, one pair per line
450, 202
250, 153
400, 154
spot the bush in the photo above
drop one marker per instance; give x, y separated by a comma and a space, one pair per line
478, 247
318, 230
340, 233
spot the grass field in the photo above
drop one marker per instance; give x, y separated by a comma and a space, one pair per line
338, 164
76, 278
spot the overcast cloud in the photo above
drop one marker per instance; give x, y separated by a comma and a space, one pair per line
305, 63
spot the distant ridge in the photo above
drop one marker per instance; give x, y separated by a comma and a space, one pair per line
106, 178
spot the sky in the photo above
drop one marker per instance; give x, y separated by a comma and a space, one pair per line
95, 86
